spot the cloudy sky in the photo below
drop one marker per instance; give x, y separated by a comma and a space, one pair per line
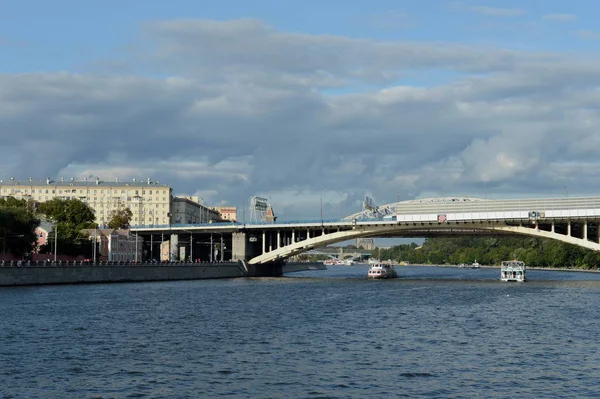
299, 101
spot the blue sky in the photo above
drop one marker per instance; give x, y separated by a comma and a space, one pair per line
295, 101
66, 34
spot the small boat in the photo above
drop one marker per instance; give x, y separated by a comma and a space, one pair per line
381, 271
333, 262
475, 265
513, 270
348, 262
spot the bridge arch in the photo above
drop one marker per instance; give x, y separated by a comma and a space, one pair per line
423, 230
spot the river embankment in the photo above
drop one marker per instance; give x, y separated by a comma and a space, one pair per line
556, 269
22, 273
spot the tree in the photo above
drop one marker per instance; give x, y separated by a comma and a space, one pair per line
71, 211
17, 230
12, 202
70, 217
120, 219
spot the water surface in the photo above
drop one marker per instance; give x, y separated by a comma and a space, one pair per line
434, 332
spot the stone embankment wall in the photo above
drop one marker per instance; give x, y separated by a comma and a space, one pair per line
24, 274
300, 266
41, 273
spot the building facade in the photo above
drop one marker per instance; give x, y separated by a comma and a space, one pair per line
41, 233
149, 201
226, 213
189, 210
365, 243
116, 245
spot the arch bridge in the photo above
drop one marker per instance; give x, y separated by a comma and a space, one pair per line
571, 220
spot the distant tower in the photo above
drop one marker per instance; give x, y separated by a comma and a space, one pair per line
270, 215
258, 209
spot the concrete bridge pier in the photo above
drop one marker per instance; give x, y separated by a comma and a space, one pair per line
174, 247
271, 269
244, 249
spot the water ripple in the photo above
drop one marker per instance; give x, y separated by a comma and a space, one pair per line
432, 333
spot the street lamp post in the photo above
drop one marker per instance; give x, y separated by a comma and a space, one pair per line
55, 240
95, 242
222, 247
211, 247
321, 206
140, 206
136, 247
170, 238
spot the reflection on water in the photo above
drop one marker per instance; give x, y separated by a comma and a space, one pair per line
434, 332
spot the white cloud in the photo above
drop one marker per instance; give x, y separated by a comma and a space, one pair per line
487, 10
391, 20
559, 17
246, 111
587, 34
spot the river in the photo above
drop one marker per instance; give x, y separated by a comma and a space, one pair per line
434, 332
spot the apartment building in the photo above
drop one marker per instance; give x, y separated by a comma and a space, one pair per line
116, 245
149, 201
227, 213
189, 210
365, 243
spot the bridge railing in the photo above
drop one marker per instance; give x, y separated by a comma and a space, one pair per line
250, 224
77, 263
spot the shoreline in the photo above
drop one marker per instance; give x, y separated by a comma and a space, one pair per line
555, 269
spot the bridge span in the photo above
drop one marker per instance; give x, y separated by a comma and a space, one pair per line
571, 220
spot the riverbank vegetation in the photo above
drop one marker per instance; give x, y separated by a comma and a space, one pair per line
19, 219
17, 226
493, 250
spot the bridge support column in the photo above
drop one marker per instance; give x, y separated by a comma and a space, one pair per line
173, 247
278, 240
264, 242
293, 236
585, 230
553, 228
271, 269
238, 246
569, 228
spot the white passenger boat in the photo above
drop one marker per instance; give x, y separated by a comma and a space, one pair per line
513, 270
333, 262
475, 265
381, 271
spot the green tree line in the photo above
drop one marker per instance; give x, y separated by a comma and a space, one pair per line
19, 218
18, 222
533, 251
